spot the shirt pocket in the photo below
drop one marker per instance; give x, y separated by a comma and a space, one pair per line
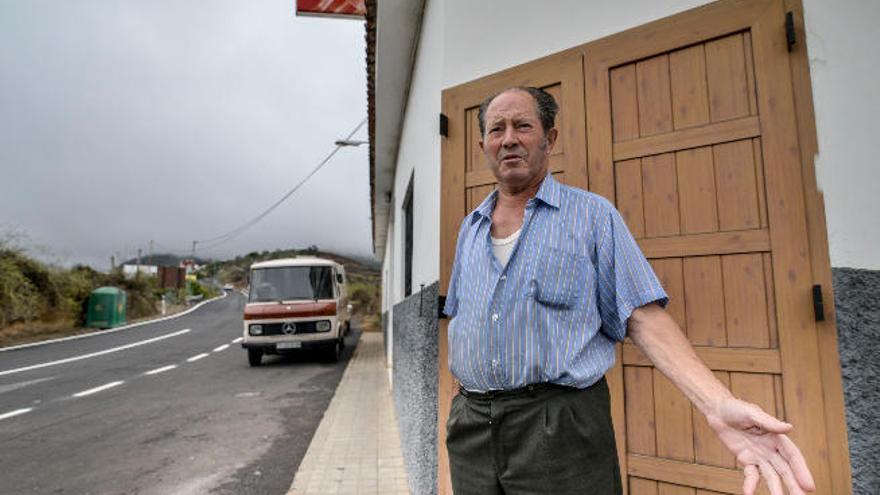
559, 278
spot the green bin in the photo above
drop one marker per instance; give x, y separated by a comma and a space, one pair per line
106, 308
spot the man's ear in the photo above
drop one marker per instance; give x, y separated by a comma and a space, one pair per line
552, 134
481, 145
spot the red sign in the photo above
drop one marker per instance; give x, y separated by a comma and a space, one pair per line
332, 8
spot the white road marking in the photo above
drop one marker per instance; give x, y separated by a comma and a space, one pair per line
117, 329
197, 357
16, 386
221, 348
17, 412
237, 340
160, 370
93, 354
98, 389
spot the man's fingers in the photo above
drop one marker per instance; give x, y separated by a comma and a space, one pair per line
750, 483
768, 423
772, 479
781, 466
798, 464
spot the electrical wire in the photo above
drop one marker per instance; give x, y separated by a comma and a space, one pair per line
213, 242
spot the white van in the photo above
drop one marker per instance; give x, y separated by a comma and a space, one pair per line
296, 303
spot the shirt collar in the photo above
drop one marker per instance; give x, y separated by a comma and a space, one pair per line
548, 193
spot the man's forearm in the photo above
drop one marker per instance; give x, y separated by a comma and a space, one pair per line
661, 340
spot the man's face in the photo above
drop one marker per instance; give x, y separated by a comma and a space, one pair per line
514, 143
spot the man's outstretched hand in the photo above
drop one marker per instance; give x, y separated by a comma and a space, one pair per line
761, 445
758, 440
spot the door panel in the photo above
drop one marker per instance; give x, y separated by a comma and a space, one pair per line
685, 163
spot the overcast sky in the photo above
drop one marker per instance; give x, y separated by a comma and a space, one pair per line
128, 121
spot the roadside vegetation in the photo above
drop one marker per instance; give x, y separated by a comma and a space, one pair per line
40, 301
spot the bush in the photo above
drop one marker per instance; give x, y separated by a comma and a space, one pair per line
77, 286
19, 298
365, 298
33, 291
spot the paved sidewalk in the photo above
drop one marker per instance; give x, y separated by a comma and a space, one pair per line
356, 449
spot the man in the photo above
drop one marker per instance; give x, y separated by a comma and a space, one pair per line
546, 279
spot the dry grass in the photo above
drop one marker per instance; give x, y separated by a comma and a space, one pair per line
26, 333
38, 331
370, 324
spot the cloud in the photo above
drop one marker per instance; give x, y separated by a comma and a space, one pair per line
132, 121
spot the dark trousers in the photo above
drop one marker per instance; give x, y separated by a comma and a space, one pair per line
539, 439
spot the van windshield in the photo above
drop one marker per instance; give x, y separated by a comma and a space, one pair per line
288, 283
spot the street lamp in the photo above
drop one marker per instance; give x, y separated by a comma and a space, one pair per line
350, 142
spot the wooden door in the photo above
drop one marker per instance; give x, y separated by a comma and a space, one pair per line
692, 133
467, 180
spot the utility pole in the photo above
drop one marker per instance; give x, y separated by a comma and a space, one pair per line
151, 251
137, 269
194, 251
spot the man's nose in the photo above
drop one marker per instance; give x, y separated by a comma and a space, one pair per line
509, 138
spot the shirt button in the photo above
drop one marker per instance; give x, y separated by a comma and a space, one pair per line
495, 363
495, 317
504, 277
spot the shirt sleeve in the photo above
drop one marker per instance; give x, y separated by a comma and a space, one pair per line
451, 306
626, 280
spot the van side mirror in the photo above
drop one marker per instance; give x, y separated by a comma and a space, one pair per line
339, 278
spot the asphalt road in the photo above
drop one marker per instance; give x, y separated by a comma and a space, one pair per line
170, 407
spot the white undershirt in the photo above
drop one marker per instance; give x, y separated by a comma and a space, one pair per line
502, 248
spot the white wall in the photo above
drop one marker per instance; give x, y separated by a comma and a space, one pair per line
841, 40
842, 43
523, 30
420, 151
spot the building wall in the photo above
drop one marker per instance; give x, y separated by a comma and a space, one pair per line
412, 321
454, 49
415, 386
858, 320
420, 152
841, 41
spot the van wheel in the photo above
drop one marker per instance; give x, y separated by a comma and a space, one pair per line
334, 351
255, 357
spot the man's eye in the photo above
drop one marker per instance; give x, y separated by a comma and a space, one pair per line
525, 125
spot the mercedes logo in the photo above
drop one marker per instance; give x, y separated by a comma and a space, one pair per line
289, 329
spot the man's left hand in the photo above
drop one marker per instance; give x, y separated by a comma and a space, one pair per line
761, 445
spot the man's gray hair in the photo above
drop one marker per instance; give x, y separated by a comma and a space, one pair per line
547, 107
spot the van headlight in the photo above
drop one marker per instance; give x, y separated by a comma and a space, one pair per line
256, 329
322, 326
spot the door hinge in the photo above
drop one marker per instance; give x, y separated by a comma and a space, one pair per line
441, 303
790, 36
444, 125
818, 306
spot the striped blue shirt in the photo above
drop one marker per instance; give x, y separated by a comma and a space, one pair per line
555, 311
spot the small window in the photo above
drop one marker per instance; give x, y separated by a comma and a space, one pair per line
408, 238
